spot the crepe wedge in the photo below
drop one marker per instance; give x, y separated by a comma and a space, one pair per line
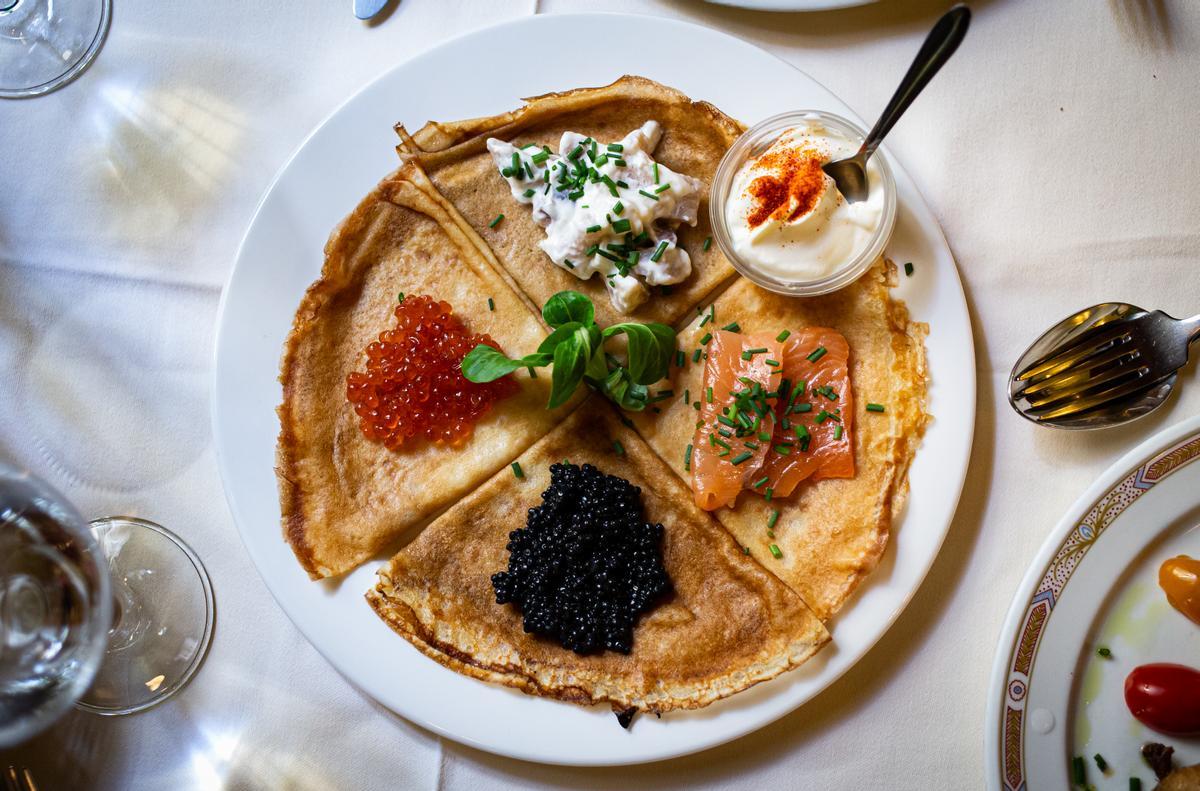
833, 532
343, 497
695, 136
728, 625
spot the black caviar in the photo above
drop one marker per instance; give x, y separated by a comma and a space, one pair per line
586, 564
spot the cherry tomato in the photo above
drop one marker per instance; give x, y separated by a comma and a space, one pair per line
1179, 577
1165, 697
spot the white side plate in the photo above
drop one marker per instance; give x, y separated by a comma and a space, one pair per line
282, 253
1094, 584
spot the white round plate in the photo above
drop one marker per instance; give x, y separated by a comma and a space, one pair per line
792, 5
1093, 585
282, 253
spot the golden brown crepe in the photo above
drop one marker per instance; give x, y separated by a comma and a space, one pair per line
343, 497
695, 136
831, 532
728, 625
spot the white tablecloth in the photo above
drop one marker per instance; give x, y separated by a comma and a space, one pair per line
1058, 150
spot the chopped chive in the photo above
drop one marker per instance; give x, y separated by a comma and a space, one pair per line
506, 172
707, 243
801, 432
816, 354
540, 157
618, 208
1101, 764
655, 170
1078, 770
696, 405
657, 255
775, 551
1135, 784
620, 226
733, 326
770, 534
768, 494
680, 358
696, 356
618, 447
622, 184
687, 458
837, 432
783, 450
496, 221
874, 407
1104, 652
617, 162
707, 337
529, 193
615, 147
575, 153
773, 364
745, 550
764, 436
593, 228
648, 195
661, 189
712, 440
751, 445
591, 251
805, 407
724, 432
568, 263
400, 297
760, 482
741, 457
749, 353
726, 421
908, 269
491, 304
517, 471
783, 336
772, 519
708, 395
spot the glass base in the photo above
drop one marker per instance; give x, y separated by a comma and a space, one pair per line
44, 44
162, 619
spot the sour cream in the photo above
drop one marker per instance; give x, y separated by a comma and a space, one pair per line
785, 216
607, 208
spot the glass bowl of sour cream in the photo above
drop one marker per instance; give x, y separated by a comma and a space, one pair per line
782, 222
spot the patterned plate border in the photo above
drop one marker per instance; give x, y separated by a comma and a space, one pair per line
1037, 611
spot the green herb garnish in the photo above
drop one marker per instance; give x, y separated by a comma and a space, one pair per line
575, 350
496, 221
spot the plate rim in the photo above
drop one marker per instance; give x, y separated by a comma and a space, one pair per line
1128, 464
966, 394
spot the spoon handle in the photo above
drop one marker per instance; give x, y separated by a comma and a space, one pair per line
939, 45
1192, 326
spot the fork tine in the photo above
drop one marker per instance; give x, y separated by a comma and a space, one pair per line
1094, 400
10, 779
1093, 341
1080, 371
29, 784
1105, 381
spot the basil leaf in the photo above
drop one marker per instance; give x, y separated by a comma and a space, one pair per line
570, 359
651, 347
625, 393
486, 364
568, 306
558, 336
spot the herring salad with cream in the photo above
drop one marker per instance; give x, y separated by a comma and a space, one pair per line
607, 208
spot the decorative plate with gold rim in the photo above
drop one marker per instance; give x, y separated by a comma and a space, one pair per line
1094, 586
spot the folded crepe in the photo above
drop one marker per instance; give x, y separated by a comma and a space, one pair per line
695, 136
727, 626
833, 532
343, 497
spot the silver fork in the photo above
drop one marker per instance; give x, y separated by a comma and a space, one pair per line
19, 779
1103, 366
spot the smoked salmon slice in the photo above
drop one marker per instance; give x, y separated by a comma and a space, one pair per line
737, 418
814, 422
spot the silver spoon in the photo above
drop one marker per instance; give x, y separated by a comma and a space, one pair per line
1103, 366
365, 9
850, 174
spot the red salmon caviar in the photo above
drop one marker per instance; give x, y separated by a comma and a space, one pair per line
413, 386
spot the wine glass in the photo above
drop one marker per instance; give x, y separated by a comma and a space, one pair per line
44, 44
113, 617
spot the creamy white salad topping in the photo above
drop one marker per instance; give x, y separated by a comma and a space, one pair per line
786, 217
607, 208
